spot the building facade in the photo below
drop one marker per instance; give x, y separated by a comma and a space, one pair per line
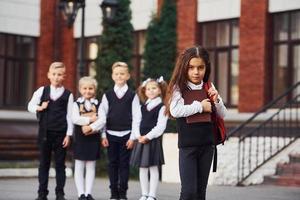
254, 45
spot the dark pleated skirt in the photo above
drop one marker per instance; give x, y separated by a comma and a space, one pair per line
86, 147
146, 155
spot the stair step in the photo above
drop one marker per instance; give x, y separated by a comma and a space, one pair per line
18, 155
282, 180
24, 147
18, 141
294, 158
288, 169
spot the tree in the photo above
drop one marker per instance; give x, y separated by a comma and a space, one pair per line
160, 48
116, 44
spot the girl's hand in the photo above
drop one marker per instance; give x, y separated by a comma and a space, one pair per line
213, 94
129, 144
206, 105
104, 142
66, 141
86, 130
143, 140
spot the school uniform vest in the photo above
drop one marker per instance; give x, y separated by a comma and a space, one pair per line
149, 118
195, 130
54, 117
119, 115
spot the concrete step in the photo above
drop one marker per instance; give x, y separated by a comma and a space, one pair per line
282, 180
288, 169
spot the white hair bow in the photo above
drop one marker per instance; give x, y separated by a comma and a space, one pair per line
145, 82
160, 79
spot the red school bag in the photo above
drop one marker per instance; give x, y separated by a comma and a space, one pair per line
219, 129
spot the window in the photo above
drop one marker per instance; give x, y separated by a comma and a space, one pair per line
91, 46
286, 51
221, 39
17, 65
137, 59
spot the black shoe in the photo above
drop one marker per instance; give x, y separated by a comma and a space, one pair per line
114, 195
89, 197
123, 197
41, 198
82, 197
60, 197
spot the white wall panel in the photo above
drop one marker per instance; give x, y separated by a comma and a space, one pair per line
20, 17
93, 19
211, 10
142, 11
283, 5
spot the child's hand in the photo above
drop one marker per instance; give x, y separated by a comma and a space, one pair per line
86, 130
66, 141
105, 142
140, 139
93, 118
213, 94
43, 106
206, 105
129, 144
143, 140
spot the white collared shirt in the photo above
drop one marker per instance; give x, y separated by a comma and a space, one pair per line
162, 119
120, 91
55, 93
76, 117
103, 112
179, 109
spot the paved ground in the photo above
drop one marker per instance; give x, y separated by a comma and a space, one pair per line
25, 189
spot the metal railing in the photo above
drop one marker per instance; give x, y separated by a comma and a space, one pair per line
267, 132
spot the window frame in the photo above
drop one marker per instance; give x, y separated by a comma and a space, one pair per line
219, 49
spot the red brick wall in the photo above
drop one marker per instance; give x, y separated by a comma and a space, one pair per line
45, 43
253, 55
56, 43
186, 24
68, 55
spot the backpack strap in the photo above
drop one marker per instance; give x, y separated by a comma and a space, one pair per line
46, 94
208, 85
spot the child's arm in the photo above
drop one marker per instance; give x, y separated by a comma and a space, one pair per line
219, 104
160, 127
67, 141
178, 109
77, 119
33, 105
102, 113
136, 118
69, 114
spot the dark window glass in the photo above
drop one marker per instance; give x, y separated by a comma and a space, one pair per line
137, 58
281, 27
280, 69
286, 51
17, 65
2, 45
91, 47
295, 25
